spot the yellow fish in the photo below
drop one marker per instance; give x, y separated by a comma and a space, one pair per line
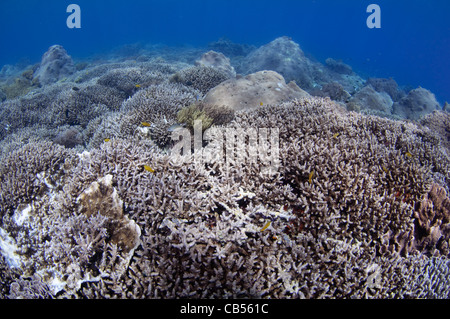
145, 124
261, 103
148, 168
335, 135
138, 86
311, 176
266, 226
409, 154
107, 139
385, 169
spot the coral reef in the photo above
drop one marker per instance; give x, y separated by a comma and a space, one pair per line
217, 60
333, 90
338, 66
55, 65
283, 56
289, 196
229, 48
130, 80
192, 113
69, 137
286, 57
439, 122
157, 106
416, 104
28, 171
446, 107
203, 229
386, 85
254, 90
371, 100
202, 78
18, 86
432, 223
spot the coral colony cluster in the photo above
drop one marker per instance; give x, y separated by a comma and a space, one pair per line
240, 172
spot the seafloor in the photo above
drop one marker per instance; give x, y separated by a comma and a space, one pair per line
302, 180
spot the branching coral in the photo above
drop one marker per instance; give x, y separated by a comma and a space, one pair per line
28, 171
336, 218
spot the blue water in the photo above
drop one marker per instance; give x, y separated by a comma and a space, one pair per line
412, 45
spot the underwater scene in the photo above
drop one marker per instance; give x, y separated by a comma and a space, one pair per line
224, 150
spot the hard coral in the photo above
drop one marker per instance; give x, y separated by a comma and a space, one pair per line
417, 103
432, 223
28, 171
202, 78
343, 197
55, 65
254, 90
192, 113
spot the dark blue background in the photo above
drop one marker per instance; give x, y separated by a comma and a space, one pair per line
412, 46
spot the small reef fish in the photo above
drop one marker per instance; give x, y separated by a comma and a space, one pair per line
149, 169
409, 154
311, 177
266, 226
138, 86
107, 139
146, 124
335, 135
174, 127
261, 103
384, 169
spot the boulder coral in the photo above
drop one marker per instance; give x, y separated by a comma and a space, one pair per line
417, 103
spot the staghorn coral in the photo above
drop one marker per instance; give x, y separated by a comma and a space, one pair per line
157, 105
79, 106
200, 77
285, 57
192, 113
229, 48
346, 231
69, 138
386, 85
